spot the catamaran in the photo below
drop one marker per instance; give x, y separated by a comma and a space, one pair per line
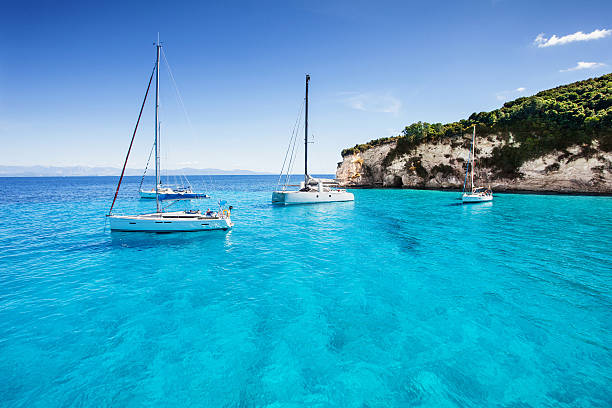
477, 194
163, 221
312, 190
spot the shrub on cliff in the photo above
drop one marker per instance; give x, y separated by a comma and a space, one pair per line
365, 146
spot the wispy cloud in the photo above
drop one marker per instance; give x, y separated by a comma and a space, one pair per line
503, 95
371, 102
541, 41
187, 163
584, 65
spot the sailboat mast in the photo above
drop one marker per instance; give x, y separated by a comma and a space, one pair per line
473, 157
306, 133
157, 169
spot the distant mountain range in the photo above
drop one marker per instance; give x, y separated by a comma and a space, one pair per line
52, 171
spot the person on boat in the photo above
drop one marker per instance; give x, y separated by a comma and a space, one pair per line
208, 213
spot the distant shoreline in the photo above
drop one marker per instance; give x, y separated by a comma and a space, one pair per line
92, 171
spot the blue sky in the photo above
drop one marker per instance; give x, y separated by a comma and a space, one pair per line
72, 75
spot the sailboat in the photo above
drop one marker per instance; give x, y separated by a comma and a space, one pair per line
312, 190
477, 194
162, 221
167, 191
172, 193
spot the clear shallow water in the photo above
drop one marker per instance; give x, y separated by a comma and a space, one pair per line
402, 298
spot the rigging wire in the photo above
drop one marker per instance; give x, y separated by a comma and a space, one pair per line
292, 161
179, 97
291, 147
178, 93
146, 167
298, 131
291, 141
287, 170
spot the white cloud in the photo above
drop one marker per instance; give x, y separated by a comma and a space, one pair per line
503, 95
187, 163
372, 102
542, 41
584, 65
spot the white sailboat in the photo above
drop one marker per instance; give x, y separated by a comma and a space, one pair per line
166, 191
161, 221
477, 194
172, 193
312, 190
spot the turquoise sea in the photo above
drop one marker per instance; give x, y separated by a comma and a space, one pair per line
402, 298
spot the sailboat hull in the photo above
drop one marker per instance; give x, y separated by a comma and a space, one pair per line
310, 197
172, 196
169, 222
476, 198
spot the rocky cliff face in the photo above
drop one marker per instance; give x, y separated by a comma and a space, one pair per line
442, 164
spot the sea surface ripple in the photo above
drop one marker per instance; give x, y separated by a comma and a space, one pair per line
402, 298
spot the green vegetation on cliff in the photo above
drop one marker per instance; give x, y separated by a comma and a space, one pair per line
555, 119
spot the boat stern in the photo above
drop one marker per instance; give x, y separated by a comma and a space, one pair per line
279, 197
